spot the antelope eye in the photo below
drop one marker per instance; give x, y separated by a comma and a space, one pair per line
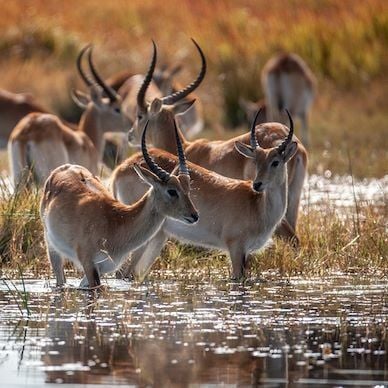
172, 193
117, 110
275, 163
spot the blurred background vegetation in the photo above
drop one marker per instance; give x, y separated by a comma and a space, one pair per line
344, 42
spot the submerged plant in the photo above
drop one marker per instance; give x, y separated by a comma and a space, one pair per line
20, 297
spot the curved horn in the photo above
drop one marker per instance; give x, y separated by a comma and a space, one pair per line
254, 142
287, 140
173, 98
147, 80
113, 96
88, 81
181, 153
158, 171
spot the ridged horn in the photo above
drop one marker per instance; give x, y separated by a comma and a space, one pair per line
88, 81
111, 94
288, 139
173, 98
163, 175
254, 142
181, 153
147, 80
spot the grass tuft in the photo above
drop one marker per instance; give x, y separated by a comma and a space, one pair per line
21, 232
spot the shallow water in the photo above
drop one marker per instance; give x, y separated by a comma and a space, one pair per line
189, 332
318, 190
344, 191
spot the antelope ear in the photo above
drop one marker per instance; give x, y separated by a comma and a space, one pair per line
245, 150
81, 99
146, 175
156, 106
290, 151
182, 107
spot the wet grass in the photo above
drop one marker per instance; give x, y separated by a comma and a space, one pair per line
21, 232
333, 240
20, 296
329, 244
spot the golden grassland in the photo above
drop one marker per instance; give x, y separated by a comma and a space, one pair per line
344, 42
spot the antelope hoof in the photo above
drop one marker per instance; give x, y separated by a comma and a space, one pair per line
238, 278
99, 287
125, 275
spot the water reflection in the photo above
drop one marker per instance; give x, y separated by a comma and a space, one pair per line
179, 333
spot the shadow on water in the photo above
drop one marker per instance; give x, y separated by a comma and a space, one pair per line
180, 333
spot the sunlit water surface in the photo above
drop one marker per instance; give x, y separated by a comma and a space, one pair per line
184, 332
204, 333
343, 191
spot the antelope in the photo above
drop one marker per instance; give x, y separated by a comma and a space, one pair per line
85, 224
219, 156
250, 108
42, 142
235, 215
289, 83
127, 85
13, 107
139, 88
191, 120
116, 81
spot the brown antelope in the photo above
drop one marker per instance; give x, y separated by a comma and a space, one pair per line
42, 142
117, 80
13, 107
234, 216
250, 108
146, 91
190, 121
288, 83
162, 84
219, 156
85, 224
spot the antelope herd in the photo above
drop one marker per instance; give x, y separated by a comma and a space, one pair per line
231, 195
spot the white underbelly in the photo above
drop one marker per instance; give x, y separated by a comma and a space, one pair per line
194, 234
62, 247
258, 244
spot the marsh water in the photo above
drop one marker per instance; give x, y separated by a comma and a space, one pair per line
179, 330
188, 332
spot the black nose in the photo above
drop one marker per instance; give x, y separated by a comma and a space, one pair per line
257, 186
195, 217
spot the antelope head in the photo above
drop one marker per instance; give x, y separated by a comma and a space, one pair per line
270, 162
171, 190
102, 98
162, 111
